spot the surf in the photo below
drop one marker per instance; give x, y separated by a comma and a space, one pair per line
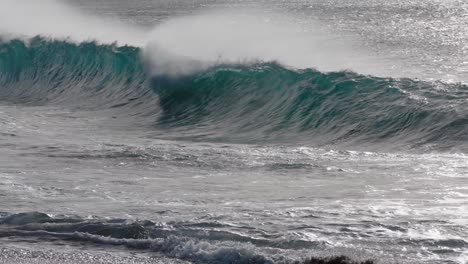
242, 102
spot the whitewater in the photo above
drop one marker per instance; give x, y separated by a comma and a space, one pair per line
216, 131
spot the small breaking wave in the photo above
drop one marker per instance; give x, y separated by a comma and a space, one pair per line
181, 243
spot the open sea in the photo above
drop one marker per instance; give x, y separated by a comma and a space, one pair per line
233, 131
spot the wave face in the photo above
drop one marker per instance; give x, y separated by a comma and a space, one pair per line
261, 102
90, 75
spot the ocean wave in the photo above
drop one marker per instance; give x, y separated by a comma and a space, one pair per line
168, 240
247, 103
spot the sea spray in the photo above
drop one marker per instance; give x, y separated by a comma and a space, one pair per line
188, 44
57, 20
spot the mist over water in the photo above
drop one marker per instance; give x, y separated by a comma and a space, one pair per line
57, 20
248, 36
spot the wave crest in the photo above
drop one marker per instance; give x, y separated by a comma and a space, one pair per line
254, 102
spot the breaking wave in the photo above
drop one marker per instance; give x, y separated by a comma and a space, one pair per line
250, 102
198, 243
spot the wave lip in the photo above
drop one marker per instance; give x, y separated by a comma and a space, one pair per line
247, 103
24, 218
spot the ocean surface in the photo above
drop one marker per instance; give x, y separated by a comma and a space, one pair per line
216, 131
